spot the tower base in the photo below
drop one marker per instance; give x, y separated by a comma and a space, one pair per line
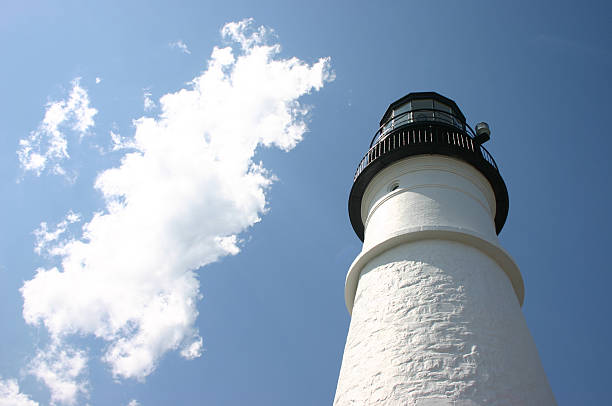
443, 327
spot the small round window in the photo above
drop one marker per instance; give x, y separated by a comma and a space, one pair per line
393, 186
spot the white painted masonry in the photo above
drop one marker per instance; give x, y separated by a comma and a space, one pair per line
435, 300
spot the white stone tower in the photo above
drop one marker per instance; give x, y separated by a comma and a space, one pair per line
435, 300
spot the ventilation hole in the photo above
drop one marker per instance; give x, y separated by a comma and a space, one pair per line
393, 186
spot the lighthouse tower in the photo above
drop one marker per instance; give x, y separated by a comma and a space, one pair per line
435, 300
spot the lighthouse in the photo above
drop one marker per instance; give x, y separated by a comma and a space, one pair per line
435, 301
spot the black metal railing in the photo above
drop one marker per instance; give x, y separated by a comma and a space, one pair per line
420, 115
419, 133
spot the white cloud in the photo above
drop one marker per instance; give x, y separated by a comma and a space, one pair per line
149, 104
10, 395
44, 237
61, 368
47, 146
119, 142
180, 45
241, 32
176, 203
133, 402
116, 140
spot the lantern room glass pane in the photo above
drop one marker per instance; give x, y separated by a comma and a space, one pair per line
402, 114
443, 112
421, 110
426, 107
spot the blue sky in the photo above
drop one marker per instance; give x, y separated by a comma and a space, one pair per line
262, 203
